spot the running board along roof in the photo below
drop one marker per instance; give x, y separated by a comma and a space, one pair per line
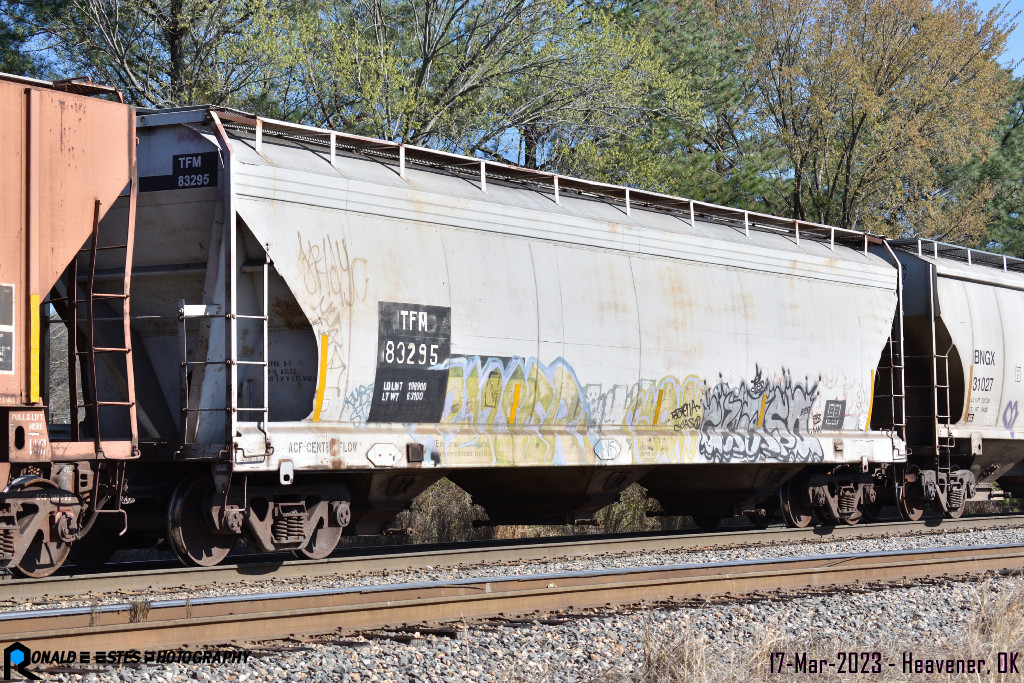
482, 170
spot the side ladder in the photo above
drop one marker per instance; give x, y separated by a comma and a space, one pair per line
256, 405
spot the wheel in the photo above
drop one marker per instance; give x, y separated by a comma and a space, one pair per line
188, 534
322, 542
853, 518
758, 520
795, 512
910, 509
42, 557
92, 553
957, 504
707, 522
873, 511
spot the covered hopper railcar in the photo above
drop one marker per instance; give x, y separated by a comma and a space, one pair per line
67, 158
322, 325
959, 383
542, 347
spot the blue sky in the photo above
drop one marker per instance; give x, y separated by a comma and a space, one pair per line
1015, 44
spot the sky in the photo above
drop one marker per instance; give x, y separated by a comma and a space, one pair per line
1015, 44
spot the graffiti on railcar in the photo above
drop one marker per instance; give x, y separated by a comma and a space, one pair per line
742, 424
357, 405
690, 415
503, 391
498, 408
669, 402
607, 406
332, 281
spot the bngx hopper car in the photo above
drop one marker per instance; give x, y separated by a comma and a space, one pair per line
288, 333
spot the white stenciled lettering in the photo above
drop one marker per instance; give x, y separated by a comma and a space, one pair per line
415, 321
410, 353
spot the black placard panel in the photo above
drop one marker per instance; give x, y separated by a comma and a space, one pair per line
189, 171
835, 413
412, 342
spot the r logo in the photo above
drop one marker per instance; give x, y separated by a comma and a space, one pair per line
18, 656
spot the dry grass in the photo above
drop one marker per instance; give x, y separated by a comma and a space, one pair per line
679, 653
442, 514
138, 610
445, 513
995, 507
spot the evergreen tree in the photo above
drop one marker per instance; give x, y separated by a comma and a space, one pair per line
1003, 173
15, 57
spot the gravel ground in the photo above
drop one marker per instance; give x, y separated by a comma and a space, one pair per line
618, 643
825, 546
920, 618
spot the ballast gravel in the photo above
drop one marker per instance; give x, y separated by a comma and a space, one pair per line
593, 644
932, 618
824, 546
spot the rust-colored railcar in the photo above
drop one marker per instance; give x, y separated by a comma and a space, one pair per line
68, 156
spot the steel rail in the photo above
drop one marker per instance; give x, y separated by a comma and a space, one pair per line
249, 618
397, 558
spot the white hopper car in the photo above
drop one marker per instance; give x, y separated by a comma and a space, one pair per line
544, 342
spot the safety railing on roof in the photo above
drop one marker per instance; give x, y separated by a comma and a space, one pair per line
968, 255
482, 170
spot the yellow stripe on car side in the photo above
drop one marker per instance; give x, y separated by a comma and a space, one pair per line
321, 379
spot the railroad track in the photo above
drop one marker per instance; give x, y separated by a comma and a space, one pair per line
393, 558
219, 621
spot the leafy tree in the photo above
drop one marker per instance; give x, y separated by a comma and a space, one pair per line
711, 156
870, 100
520, 80
159, 53
717, 159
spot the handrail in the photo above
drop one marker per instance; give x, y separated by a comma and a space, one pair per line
969, 255
404, 154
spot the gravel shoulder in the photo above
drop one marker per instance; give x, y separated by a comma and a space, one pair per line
695, 641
